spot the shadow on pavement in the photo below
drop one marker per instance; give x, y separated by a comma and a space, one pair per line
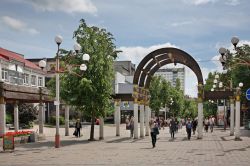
119, 140
50, 144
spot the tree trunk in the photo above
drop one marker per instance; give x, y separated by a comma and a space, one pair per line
92, 127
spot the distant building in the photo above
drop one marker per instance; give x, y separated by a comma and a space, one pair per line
126, 68
16, 70
171, 74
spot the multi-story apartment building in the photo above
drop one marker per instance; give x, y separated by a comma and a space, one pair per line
171, 74
14, 69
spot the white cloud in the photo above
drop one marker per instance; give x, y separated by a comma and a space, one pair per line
136, 54
233, 2
199, 2
177, 24
18, 25
68, 6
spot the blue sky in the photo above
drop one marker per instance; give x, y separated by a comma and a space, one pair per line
199, 27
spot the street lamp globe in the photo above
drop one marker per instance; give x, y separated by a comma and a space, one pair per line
85, 57
214, 86
220, 85
77, 47
212, 89
83, 67
222, 51
215, 81
58, 39
216, 76
235, 40
42, 63
240, 84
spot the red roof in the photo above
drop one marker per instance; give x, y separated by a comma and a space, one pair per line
9, 55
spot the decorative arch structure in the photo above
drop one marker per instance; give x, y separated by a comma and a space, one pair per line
160, 57
146, 69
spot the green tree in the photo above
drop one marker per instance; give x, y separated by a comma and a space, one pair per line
90, 91
156, 94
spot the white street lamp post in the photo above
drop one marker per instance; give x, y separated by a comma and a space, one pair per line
58, 40
237, 112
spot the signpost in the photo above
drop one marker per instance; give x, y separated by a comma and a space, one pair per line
248, 94
8, 142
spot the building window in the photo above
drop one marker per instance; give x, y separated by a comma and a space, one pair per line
33, 80
4, 74
40, 81
26, 78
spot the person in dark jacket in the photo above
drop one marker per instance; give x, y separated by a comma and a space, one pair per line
172, 127
78, 127
189, 128
194, 125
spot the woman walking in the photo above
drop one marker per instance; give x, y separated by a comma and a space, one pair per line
131, 127
154, 131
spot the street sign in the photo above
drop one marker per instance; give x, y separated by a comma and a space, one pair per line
248, 94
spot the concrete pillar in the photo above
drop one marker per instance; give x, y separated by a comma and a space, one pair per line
117, 117
44, 113
2, 116
66, 120
149, 113
142, 120
135, 120
200, 120
231, 117
147, 120
16, 117
237, 120
101, 130
41, 109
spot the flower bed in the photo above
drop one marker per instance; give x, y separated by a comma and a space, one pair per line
20, 136
19, 133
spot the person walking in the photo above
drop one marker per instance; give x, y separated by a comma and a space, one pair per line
154, 130
194, 125
78, 127
189, 128
211, 123
206, 123
172, 127
131, 127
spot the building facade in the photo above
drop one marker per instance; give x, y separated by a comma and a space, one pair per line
16, 70
171, 74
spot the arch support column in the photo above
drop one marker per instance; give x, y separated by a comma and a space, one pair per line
237, 115
66, 120
135, 119
2, 116
147, 120
200, 111
41, 109
117, 116
16, 117
142, 120
231, 116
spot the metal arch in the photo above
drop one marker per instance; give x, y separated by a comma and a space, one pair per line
146, 70
159, 57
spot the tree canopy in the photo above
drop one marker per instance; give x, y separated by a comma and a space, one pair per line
89, 91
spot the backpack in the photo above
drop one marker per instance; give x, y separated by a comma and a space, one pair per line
189, 125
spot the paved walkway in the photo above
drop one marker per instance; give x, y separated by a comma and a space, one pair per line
214, 149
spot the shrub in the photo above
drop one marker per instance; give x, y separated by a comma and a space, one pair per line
9, 119
52, 120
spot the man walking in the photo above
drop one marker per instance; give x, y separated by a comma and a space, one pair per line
78, 126
188, 128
